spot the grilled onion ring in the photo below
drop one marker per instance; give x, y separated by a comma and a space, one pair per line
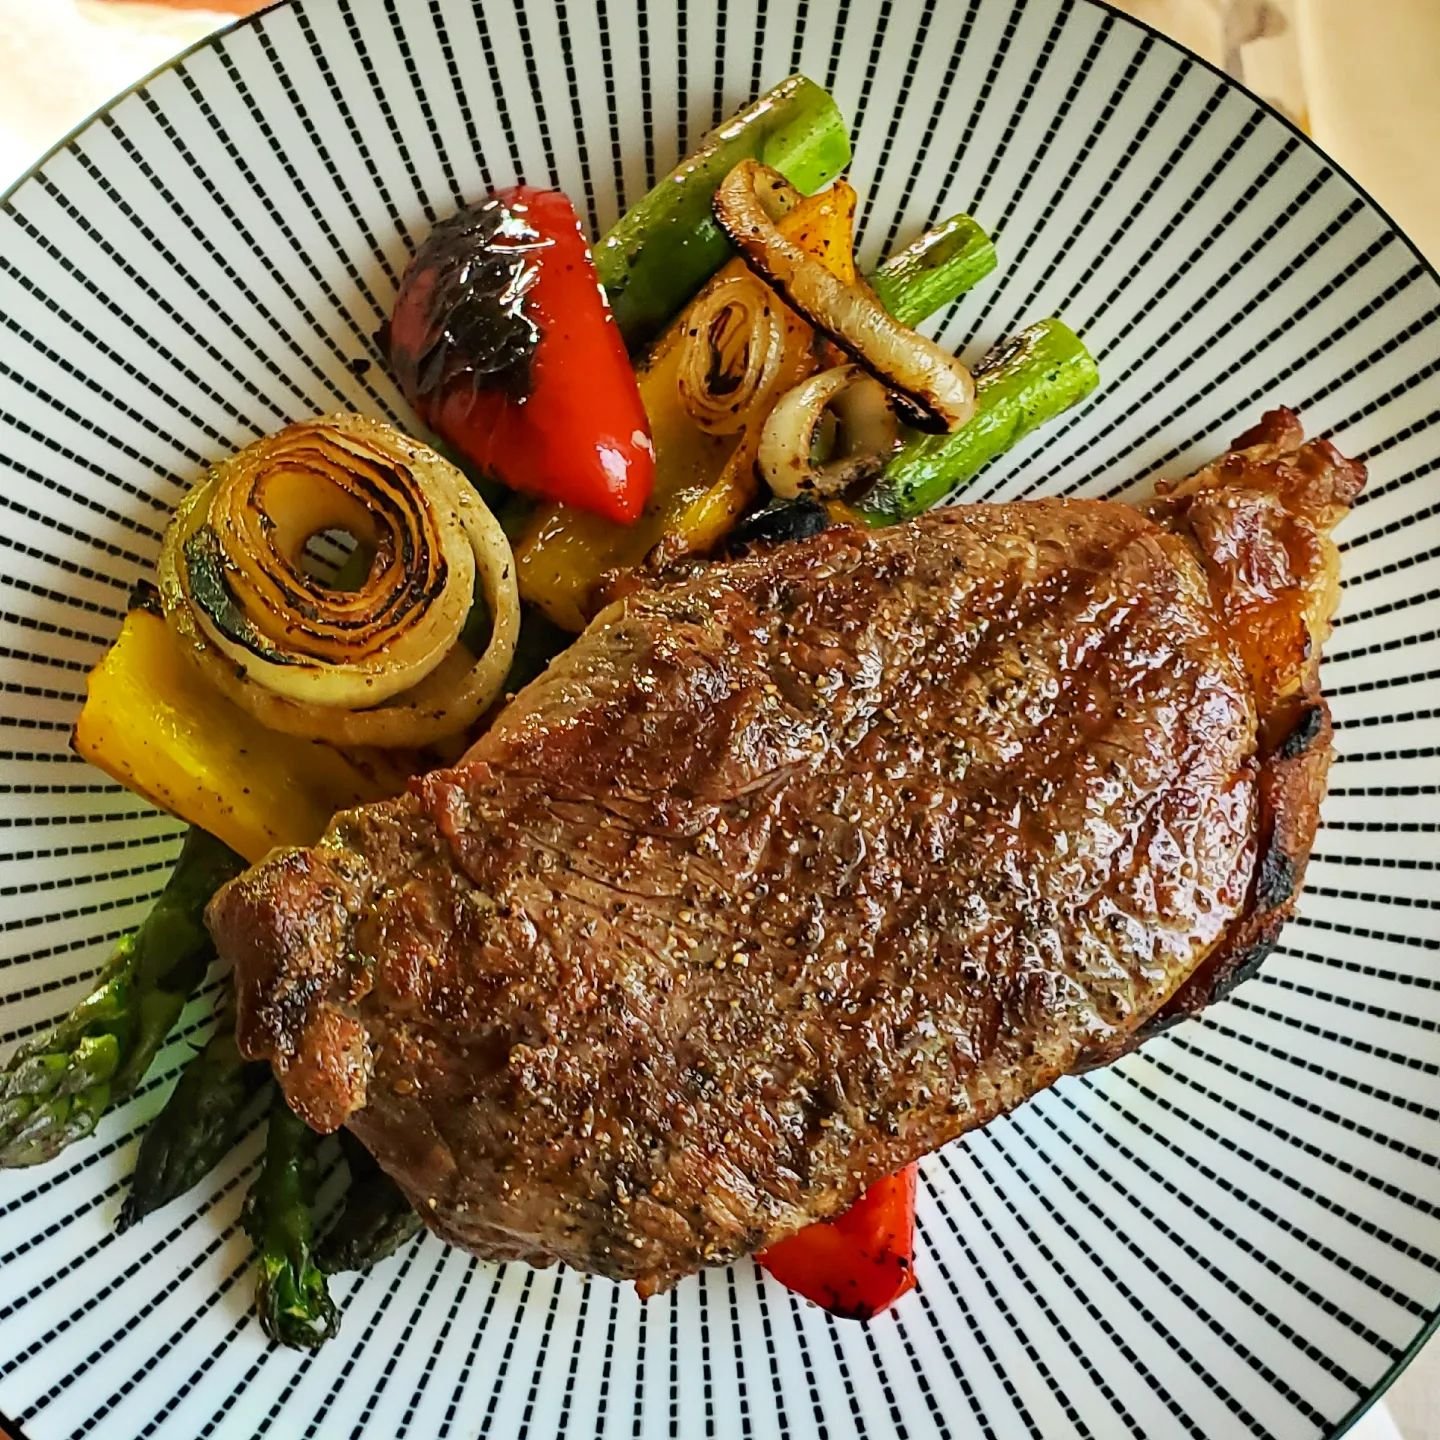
786, 454
378, 666
935, 385
731, 354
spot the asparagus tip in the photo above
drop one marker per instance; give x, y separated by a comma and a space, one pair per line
130, 1214
294, 1310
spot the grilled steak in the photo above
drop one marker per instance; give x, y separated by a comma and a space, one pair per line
798, 865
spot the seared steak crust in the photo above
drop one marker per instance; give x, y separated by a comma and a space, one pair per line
788, 871
1260, 521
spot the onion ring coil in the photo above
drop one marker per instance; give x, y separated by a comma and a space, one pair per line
733, 348
381, 665
786, 456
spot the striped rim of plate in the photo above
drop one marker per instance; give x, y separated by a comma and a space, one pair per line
1231, 1232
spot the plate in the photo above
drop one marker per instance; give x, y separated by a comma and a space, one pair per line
1233, 1232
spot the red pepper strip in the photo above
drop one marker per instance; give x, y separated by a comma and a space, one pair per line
563, 421
860, 1263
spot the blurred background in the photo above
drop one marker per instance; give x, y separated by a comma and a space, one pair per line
1361, 76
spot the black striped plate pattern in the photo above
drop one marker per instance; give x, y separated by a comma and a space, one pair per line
1235, 1232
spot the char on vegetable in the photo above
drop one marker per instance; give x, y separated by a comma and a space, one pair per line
502, 340
53, 1090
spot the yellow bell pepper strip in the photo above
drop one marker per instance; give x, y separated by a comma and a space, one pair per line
563, 552
153, 722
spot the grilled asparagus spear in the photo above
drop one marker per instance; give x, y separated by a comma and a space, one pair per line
54, 1090
291, 1296
1023, 383
934, 269
375, 1220
659, 253
197, 1126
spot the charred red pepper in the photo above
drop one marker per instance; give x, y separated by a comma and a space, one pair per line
860, 1263
503, 341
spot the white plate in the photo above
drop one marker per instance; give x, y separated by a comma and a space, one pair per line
1233, 1232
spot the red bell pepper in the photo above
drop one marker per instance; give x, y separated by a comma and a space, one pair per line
861, 1262
503, 341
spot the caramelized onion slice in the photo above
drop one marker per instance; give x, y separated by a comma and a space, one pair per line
381, 665
731, 354
870, 433
935, 385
